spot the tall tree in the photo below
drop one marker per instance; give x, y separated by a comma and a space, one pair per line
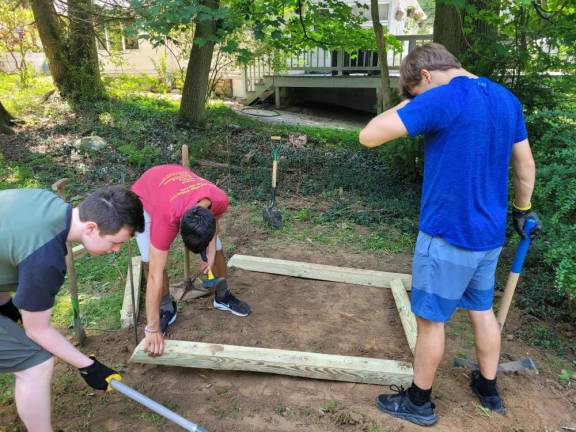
6, 121
448, 26
468, 29
384, 94
196, 83
70, 47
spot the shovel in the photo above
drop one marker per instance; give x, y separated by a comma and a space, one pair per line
271, 213
526, 364
71, 272
114, 382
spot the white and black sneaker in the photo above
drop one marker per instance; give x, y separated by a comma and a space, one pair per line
232, 304
168, 317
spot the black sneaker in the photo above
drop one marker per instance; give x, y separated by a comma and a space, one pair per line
493, 403
399, 405
232, 304
168, 317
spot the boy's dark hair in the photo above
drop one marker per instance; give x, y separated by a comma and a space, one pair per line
111, 208
197, 228
432, 56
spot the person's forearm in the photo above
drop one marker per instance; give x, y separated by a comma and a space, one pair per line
153, 299
383, 128
51, 340
523, 179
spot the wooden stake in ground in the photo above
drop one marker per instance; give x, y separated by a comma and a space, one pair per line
283, 362
127, 316
71, 272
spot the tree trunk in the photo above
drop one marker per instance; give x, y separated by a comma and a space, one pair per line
6, 121
82, 41
448, 25
53, 42
474, 47
384, 95
73, 61
193, 104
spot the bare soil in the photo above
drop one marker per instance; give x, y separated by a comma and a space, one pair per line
305, 315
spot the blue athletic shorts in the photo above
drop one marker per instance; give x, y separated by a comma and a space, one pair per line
445, 277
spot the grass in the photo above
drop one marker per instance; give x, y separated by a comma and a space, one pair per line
101, 283
544, 336
330, 407
20, 100
6, 389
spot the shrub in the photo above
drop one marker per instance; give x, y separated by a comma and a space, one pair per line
553, 138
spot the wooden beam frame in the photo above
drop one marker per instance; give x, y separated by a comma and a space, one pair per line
323, 272
78, 251
283, 362
126, 318
298, 363
404, 310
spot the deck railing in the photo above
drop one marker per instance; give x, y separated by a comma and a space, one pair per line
335, 62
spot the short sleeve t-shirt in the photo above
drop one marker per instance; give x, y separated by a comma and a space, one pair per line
469, 127
166, 192
34, 225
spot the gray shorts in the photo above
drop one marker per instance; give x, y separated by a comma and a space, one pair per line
143, 240
17, 351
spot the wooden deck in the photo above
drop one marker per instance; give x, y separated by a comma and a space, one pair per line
319, 68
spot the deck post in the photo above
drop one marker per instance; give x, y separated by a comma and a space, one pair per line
339, 61
277, 99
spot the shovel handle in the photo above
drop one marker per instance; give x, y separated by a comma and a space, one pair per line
274, 172
154, 406
59, 187
186, 164
514, 275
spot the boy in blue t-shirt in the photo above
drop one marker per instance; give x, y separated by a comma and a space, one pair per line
472, 129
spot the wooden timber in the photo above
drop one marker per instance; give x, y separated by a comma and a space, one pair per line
406, 316
318, 271
283, 362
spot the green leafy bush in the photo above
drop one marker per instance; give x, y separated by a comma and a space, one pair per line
553, 138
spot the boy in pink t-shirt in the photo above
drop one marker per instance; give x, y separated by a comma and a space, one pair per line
177, 200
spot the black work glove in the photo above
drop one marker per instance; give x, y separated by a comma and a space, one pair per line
11, 311
519, 219
95, 375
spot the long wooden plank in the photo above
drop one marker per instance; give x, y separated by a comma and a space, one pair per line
406, 316
126, 318
318, 271
283, 362
78, 251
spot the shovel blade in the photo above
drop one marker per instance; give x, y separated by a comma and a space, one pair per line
272, 216
525, 365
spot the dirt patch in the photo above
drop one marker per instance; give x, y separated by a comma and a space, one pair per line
305, 315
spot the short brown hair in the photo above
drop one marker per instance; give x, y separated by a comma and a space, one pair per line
112, 208
432, 56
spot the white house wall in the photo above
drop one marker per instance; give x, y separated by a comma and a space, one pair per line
137, 61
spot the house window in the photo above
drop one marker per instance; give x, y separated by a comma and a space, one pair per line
115, 36
383, 11
130, 42
112, 37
